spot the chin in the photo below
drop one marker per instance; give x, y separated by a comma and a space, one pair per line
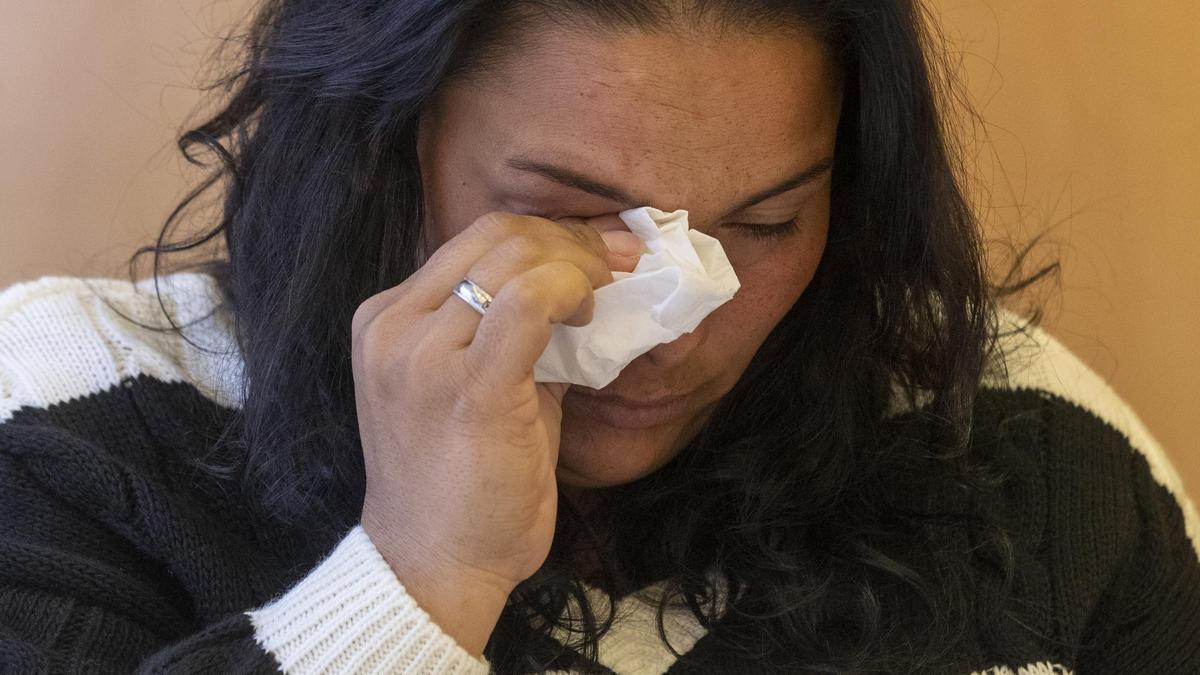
600, 448
599, 459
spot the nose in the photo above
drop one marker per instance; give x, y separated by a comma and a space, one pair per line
674, 354
667, 355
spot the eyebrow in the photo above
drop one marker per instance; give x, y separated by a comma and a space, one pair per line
579, 181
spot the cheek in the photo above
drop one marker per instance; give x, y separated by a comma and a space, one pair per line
774, 275
772, 280
760, 303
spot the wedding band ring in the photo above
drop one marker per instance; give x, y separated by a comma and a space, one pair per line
473, 295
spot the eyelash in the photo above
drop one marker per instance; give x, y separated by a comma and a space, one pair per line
761, 231
769, 231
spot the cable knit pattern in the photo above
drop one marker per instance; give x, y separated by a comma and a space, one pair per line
1042, 668
352, 615
1038, 362
65, 321
116, 556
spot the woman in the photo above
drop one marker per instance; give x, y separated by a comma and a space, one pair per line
855, 465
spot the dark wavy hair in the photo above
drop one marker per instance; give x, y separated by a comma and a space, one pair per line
832, 526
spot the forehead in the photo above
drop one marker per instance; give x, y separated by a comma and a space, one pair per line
672, 114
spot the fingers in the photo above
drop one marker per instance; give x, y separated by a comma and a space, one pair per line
525, 239
624, 250
571, 240
459, 321
498, 249
517, 327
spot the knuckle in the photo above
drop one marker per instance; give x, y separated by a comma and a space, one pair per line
373, 343
390, 345
363, 315
582, 274
580, 281
524, 250
588, 236
580, 293
594, 271
524, 296
496, 223
591, 259
369, 310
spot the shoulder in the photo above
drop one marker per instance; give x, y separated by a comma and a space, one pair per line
1087, 424
1092, 503
1032, 360
64, 338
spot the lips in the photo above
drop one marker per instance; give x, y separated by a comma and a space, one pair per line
630, 401
625, 412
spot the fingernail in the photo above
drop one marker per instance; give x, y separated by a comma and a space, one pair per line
623, 243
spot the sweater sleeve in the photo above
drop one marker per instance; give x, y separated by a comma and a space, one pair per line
351, 615
1149, 620
112, 560
75, 598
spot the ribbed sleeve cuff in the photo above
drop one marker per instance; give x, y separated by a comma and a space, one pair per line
352, 615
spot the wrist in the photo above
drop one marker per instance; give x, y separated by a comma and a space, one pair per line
465, 602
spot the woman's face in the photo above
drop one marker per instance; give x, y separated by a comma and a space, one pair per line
737, 129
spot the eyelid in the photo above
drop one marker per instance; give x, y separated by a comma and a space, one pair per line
805, 193
767, 231
782, 223
782, 226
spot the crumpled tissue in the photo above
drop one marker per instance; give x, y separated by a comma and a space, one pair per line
681, 278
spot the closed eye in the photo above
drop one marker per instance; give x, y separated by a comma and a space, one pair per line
768, 230
760, 231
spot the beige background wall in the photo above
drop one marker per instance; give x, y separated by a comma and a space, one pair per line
1091, 129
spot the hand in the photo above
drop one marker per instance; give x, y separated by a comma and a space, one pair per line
459, 443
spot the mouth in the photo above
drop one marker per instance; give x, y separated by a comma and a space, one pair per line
625, 412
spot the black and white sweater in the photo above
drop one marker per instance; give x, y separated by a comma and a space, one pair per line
113, 560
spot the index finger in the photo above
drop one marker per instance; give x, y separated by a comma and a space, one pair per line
620, 247
449, 264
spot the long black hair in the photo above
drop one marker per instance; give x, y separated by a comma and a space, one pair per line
833, 526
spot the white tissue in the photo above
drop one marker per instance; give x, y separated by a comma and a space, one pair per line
682, 279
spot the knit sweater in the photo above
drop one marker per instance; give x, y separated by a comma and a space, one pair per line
113, 558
